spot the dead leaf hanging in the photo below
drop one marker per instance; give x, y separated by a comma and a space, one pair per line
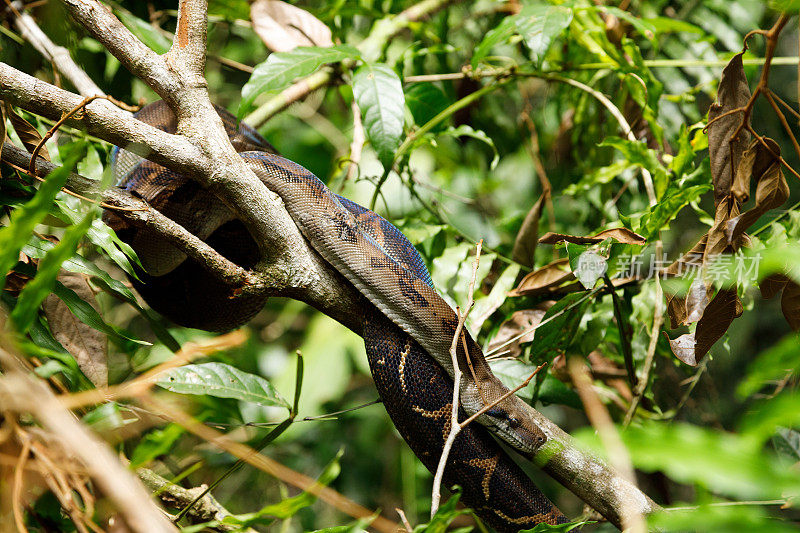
283, 26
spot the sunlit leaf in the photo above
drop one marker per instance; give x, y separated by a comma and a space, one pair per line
379, 94
220, 380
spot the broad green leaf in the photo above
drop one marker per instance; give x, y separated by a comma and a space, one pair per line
493, 37
725, 463
156, 443
222, 381
559, 325
290, 506
764, 418
466, 130
379, 95
540, 24
147, 33
425, 100
513, 372
24, 219
40, 286
282, 68
787, 444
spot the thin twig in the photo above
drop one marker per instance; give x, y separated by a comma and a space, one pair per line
454, 426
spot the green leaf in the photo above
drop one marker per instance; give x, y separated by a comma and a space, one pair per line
787, 444
221, 381
771, 364
719, 518
379, 95
24, 219
290, 506
466, 130
282, 68
559, 325
147, 33
40, 286
540, 24
155, 444
504, 30
725, 463
89, 315
425, 100
444, 516
512, 372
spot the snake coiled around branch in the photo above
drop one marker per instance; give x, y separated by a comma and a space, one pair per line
408, 328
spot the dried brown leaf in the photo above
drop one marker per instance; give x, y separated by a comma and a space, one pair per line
26, 132
790, 304
717, 318
733, 93
520, 321
88, 346
683, 348
526, 241
622, 235
717, 242
283, 26
771, 188
772, 285
544, 279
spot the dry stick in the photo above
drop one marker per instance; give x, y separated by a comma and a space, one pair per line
782, 118
632, 519
268, 465
25, 394
454, 427
17, 491
57, 55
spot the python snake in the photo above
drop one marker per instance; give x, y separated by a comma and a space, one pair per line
408, 327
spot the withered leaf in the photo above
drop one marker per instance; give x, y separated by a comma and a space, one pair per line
519, 322
544, 279
772, 285
88, 346
526, 241
623, 235
733, 93
790, 304
683, 348
26, 132
283, 26
717, 242
717, 318
771, 188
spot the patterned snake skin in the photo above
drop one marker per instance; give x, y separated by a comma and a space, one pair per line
408, 328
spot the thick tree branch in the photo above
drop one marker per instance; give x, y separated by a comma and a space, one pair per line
204, 152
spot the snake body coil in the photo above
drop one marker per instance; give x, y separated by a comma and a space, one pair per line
408, 328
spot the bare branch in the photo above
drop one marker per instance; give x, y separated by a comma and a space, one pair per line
143, 63
58, 55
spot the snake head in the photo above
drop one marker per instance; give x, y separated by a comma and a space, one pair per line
509, 418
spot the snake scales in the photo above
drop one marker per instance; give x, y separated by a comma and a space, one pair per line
408, 328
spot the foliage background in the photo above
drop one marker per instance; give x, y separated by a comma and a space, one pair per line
476, 175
